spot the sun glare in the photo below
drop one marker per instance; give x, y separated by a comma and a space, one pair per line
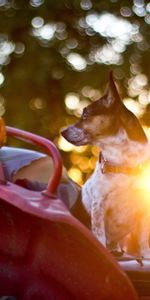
143, 184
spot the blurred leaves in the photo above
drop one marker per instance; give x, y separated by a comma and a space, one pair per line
53, 50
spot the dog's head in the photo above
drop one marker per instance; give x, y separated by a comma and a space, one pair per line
104, 118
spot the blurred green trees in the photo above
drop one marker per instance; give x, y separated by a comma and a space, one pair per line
55, 57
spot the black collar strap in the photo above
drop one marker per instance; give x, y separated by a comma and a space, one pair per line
107, 167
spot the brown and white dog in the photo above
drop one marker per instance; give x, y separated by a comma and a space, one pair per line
112, 196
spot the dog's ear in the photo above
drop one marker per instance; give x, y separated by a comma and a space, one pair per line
132, 125
111, 96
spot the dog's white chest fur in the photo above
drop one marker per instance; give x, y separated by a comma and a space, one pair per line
114, 200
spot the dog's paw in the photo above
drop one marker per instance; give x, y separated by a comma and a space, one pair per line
115, 249
117, 253
140, 261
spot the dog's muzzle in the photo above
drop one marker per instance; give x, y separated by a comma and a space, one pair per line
75, 135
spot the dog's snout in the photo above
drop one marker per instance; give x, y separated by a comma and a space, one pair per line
74, 135
71, 133
64, 133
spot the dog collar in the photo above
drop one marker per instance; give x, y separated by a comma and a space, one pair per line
107, 167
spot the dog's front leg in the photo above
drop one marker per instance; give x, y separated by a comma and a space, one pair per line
143, 238
97, 220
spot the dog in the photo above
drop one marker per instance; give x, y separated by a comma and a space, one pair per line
113, 196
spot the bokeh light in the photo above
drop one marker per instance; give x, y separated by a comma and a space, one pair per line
37, 22
19, 48
37, 104
72, 101
77, 61
55, 57
64, 145
36, 3
2, 78
45, 32
106, 55
76, 175
144, 97
134, 106
2, 105
108, 25
86, 4
137, 84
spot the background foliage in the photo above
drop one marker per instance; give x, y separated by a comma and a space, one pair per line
55, 57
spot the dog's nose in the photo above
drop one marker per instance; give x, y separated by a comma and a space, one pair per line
73, 135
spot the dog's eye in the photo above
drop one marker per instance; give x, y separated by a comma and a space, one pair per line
84, 114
